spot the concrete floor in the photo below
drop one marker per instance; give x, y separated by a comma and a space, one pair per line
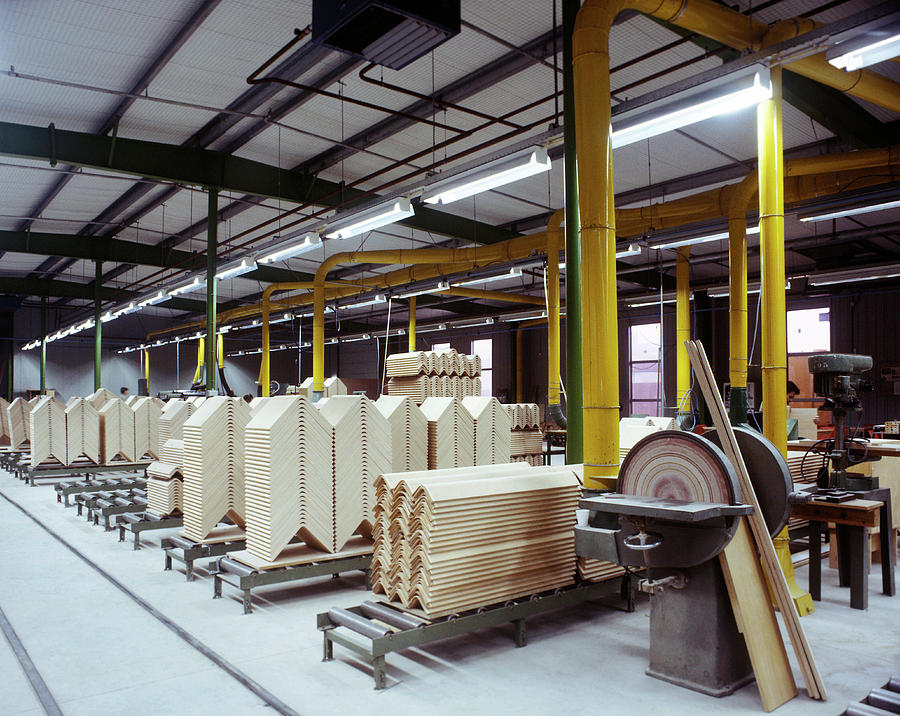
97, 650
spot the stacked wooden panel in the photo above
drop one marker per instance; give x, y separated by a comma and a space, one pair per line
165, 485
5, 434
526, 439
289, 489
409, 433
171, 420
631, 430
214, 465
100, 397
597, 570
361, 440
82, 431
463, 539
47, 428
451, 434
492, 428
332, 386
19, 424
129, 401
424, 374
146, 427
116, 432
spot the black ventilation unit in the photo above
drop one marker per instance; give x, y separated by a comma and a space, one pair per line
391, 34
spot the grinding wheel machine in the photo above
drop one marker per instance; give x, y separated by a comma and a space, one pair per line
678, 505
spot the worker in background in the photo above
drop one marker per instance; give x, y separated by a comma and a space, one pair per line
123, 392
792, 391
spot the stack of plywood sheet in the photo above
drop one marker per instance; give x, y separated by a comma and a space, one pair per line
451, 433
165, 479
116, 431
82, 431
5, 435
171, 420
332, 386
129, 401
146, 427
100, 397
597, 570
492, 429
214, 465
409, 433
47, 428
361, 440
289, 489
19, 424
471, 538
526, 437
425, 374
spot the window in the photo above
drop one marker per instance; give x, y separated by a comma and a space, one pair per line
484, 348
440, 347
809, 331
643, 368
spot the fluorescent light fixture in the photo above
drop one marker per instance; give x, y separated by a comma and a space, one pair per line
753, 288
328, 309
632, 250
363, 337
332, 340
125, 310
852, 211
701, 239
512, 273
236, 268
732, 92
401, 331
290, 249
157, 297
370, 219
107, 317
485, 322
488, 176
855, 276
380, 298
525, 316
195, 284
868, 48
441, 286
431, 329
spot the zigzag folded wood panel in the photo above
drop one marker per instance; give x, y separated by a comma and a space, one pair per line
18, 412
214, 465
82, 431
116, 432
47, 427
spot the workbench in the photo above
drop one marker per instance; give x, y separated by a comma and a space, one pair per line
852, 520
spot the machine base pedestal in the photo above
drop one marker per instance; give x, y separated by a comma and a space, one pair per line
694, 640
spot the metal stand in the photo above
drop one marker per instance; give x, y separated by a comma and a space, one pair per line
10, 458
372, 642
53, 472
246, 578
64, 490
143, 522
186, 551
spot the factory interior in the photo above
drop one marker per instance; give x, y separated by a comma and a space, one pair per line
461, 356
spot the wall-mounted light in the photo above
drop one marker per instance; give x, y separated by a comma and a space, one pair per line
369, 219
488, 176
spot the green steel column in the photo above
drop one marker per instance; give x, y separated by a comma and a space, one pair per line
212, 226
98, 339
574, 402
43, 345
9, 373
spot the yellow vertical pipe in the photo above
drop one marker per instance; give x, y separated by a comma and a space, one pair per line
772, 310
520, 368
412, 324
264, 380
318, 340
737, 300
147, 368
682, 329
599, 338
201, 352
554, 239
220, 350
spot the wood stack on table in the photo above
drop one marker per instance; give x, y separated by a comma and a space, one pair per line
214, 465
146, 427
47, 428
171, 420
467, 538
18, 413
409, 433
492, 428
82, 431
101, 397
526, 437
424, 374
331, 387
165, 479
116, 431
5, 434
361, 450
451, 434
289, 487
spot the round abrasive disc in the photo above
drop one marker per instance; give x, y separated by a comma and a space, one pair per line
677, 465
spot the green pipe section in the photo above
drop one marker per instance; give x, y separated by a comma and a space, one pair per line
43, 345
574, 400
212, 247
98, 338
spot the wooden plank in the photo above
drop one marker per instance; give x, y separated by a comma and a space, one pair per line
756, 619
814, 686
297, 554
